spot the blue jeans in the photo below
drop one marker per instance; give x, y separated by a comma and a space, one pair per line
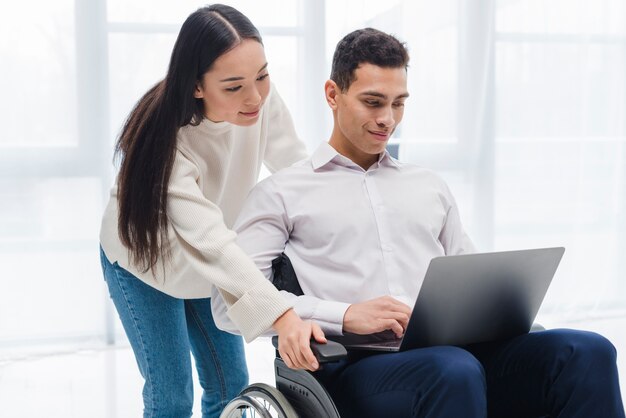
555, 373
162, 331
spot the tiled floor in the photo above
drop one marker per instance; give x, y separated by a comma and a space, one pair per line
106, 384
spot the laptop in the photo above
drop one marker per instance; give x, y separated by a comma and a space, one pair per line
471, 298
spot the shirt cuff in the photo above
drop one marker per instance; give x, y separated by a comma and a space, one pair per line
329, 315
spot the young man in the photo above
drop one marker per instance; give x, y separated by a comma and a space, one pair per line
360, 229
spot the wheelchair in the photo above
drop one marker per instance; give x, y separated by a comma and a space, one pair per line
297, 394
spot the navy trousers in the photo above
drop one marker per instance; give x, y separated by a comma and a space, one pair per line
554, 373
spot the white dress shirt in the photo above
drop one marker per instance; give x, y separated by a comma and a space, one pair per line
351, 234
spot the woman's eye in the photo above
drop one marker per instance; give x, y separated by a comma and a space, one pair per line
233, 89
263, 77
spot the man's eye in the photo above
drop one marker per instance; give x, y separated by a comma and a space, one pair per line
398, 104
372, 102
233, 89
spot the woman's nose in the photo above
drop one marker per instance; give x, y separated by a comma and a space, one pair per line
253, 97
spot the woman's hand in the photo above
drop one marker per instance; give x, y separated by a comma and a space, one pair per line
294, 340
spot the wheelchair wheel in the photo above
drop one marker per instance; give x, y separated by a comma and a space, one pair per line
259, 401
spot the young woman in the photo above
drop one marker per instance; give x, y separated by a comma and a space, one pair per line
190, 151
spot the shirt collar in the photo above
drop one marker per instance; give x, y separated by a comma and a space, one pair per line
386, 159
325, 153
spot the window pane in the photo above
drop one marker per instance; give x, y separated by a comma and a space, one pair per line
38, 82
430, 112
52, 294
51, 285
175, 12
561, 16
136, 63
560, 89
52, 209
282, 58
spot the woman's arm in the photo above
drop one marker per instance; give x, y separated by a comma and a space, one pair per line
208, 248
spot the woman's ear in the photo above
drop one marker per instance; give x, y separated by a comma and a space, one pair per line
197, 92
331, 90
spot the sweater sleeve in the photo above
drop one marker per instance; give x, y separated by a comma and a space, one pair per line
283, 146
208, 247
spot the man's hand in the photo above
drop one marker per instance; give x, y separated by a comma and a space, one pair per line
294, 337
377, 315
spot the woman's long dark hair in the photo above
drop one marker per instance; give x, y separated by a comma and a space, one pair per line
147, 143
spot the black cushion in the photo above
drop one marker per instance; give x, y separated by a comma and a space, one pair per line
284, 275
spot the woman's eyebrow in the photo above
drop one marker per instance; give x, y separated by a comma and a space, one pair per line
241, 78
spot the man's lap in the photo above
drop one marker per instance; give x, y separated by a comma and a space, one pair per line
548, 371
517, 376
399, 383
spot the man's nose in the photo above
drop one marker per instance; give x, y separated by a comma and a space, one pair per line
385, 117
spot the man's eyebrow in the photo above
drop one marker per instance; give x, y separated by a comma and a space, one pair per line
374, 94
241, 78
382, 96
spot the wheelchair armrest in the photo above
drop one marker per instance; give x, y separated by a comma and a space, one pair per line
325, 353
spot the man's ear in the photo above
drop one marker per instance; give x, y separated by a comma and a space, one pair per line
331, 91
197, 92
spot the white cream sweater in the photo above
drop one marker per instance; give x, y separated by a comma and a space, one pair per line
215, 167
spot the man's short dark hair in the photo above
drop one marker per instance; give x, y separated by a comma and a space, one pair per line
366, 46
